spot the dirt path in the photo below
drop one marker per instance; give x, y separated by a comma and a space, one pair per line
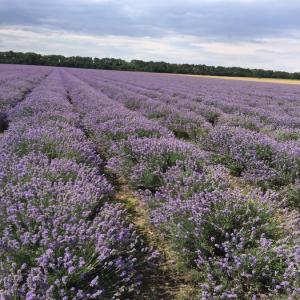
165, 281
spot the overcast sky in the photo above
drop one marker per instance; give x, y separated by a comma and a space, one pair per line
248, 33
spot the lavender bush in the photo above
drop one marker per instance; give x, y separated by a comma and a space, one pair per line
236, 244
243, 251
144, 161
17, 82
259, 158
51, 245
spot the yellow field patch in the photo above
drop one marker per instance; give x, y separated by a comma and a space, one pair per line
268, 80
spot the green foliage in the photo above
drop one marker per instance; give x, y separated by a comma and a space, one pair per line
251, 126
264, 152
132, 105
236, 167
221, 220
212, 117
288, 136
291, 195
181, 134
233, 245
151, 168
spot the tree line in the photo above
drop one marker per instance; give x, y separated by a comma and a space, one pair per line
30, 58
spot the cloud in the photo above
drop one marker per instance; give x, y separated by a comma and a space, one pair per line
215, 19
265, 53
249, 33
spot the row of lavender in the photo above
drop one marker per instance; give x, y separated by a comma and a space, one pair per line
254, 140
235, 104
61, 236
279, 104
240, 245
15, 82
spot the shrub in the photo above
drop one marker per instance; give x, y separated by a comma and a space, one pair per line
59, 237
237, 243
143, 161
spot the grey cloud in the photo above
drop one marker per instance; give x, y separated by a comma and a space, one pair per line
215, 20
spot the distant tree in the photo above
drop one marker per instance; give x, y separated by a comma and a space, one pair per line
30, 58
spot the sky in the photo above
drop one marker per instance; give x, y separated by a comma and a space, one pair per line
246, 33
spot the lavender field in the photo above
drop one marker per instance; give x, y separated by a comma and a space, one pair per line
127, 185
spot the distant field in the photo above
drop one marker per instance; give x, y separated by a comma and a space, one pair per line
270, 80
